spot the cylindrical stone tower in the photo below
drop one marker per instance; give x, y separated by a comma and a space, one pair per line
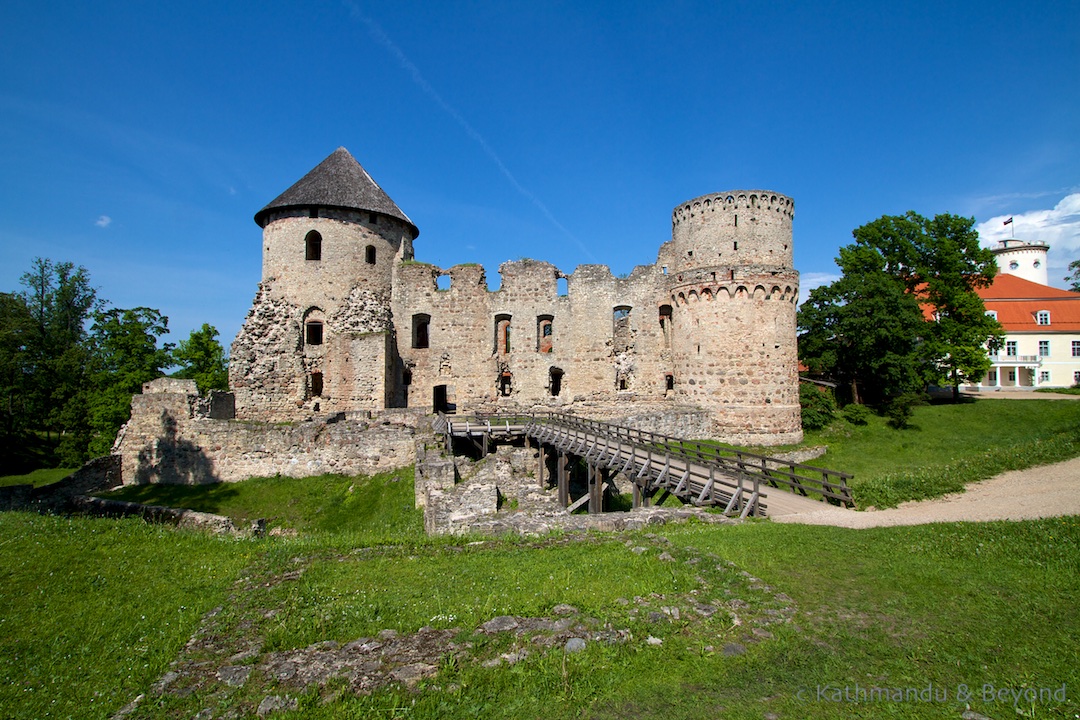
318, 338
733, 294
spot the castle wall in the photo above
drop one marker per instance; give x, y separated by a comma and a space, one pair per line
588, 354
167, 440
710, 325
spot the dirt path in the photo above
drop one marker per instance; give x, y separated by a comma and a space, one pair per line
1045, 491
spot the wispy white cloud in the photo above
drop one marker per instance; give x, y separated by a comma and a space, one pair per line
418, 78
103, 222
1058, 227
809, 281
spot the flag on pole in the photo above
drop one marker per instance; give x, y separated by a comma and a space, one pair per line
1007, 222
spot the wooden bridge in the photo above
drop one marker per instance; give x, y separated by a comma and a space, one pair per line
697, 473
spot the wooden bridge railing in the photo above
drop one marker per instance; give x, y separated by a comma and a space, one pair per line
807, 480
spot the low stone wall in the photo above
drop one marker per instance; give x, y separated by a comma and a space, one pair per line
98, 474
218, 524
168, 440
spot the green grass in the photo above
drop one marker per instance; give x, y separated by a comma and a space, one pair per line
1074, 390
367, 510
37, 478
94, 611
948, 446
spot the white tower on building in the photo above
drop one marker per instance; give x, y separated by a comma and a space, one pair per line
1023, 259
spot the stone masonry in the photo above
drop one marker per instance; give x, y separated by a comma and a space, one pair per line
346, 320
173, 438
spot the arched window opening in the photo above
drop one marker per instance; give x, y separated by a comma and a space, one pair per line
665, 323
313, 246
555, 376
620, 333
506, 383
544, 333
562, 287
669, 382
420, 323
502, 334
316, 383
443, 282
313, 332
369, 254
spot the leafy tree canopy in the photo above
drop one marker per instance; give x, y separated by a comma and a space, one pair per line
868, 328
1073, 278
202, 359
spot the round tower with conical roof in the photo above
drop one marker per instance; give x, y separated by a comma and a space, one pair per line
733, 293
318, 338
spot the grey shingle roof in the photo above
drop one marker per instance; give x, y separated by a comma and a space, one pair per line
339, 181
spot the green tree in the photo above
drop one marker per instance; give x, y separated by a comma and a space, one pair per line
1073, 278
951, 266
202, 359
869, 330
15, 327
863, 329
60, 301
125, 355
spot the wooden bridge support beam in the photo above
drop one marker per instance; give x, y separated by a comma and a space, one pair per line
596, 489
541, 454
563, 479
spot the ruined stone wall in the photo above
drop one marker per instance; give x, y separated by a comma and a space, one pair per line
587, 352
272, 367
166, 441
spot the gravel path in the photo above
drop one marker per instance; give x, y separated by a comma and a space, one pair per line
1045, 491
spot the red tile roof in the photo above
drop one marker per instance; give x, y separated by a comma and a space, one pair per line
1017, 301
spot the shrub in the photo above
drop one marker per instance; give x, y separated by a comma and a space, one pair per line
818, 406
901, 408
856, 414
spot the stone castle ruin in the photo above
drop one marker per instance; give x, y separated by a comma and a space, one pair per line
346, 319
351, 346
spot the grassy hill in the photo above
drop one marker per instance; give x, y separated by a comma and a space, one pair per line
359, 615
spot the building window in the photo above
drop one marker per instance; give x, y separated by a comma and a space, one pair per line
669, 382
1076, 377
506, 384
1012, 376
1010, 348
420, 322
313, 332
502, 335
555, 376
620, 332
313, 246
991, 377
1076, 348
665, 323
1014, 265
1044, 348
992, 313
1042, 317
544, 333
1044, 376
316, 384
369, 254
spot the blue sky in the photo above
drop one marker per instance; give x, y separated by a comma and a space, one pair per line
139, 139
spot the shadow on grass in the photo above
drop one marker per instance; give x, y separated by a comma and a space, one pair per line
212, 498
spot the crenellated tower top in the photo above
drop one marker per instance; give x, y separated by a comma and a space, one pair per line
734, 228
